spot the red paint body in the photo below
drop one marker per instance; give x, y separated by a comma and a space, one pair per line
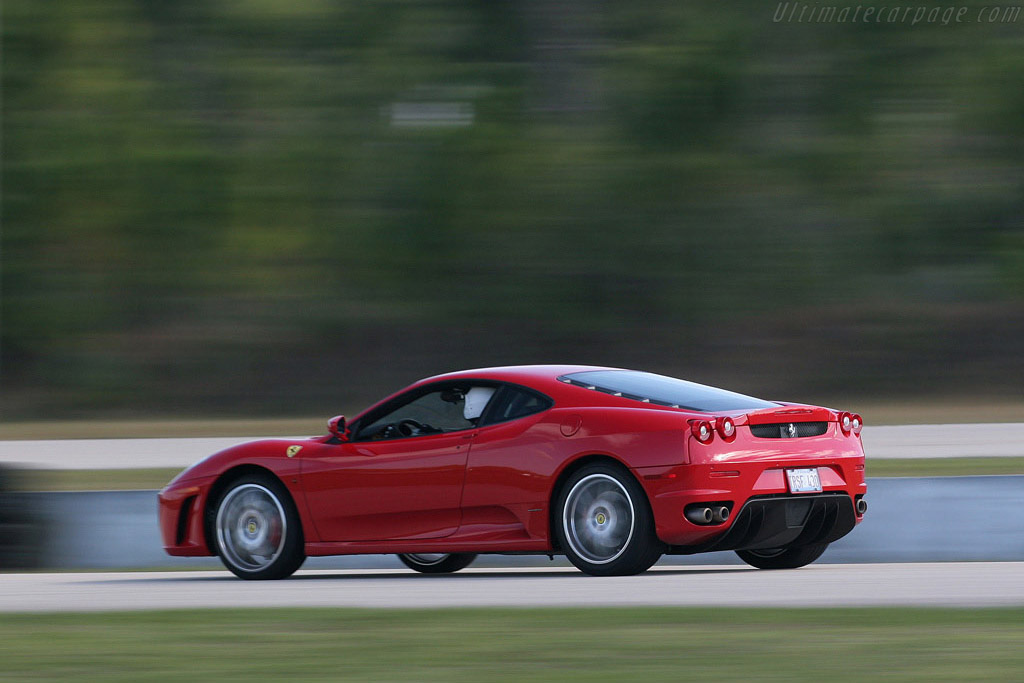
490, 488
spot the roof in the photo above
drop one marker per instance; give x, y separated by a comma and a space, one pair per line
614, 386
532, 375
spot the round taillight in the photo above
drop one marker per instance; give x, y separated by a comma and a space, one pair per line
856, 423
845, 422
702, 430
726, 427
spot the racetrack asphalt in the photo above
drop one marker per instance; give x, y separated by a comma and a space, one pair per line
952, 584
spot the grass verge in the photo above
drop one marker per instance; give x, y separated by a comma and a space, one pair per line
163, 429
943, 467
111, 480
925, 411
649, 644
96, 480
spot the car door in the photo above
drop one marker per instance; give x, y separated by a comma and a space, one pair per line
387, 485
510, 464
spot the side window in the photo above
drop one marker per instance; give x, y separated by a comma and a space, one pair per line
448, 409
518, 403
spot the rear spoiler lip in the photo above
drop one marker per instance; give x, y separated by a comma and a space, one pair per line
791, 414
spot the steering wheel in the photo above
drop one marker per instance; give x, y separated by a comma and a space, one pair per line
410, 427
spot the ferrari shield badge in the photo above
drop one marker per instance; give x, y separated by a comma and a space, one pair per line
292, 450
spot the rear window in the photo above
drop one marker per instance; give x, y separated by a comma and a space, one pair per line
664, 391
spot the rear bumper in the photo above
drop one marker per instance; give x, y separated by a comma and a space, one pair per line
734, 479
777, 521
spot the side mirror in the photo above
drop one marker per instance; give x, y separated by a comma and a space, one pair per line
337, 426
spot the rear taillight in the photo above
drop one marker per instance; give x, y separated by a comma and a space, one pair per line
702, 430
846, 422
856, 423
726, 428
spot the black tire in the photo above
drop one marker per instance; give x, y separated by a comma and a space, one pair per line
783, 558
603, 522
256, 529
437, 563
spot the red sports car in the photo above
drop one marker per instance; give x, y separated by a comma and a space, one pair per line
611, 467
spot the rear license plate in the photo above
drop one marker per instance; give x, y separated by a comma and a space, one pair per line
804, 481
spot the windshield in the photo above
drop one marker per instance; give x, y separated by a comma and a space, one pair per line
665, 391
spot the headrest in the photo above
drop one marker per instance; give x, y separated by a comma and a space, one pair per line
476, 401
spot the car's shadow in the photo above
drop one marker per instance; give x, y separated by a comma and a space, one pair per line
510, 574
390, 575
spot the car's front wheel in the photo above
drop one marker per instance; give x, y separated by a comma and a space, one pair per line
604, 524
257, 529
783, 558
437, 563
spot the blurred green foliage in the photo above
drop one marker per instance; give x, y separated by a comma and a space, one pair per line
257, 205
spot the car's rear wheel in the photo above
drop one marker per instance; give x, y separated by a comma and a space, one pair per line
257, 529
437, 563
783, 558
605, 525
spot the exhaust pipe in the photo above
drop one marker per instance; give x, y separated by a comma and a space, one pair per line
862, 506
700, 515
719, 514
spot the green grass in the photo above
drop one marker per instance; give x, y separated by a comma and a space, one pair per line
109, 480
921, 411
649, 644
944, 467
162, 429
96, 480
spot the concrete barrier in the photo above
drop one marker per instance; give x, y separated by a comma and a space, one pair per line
118, 530
909, 520
21, 530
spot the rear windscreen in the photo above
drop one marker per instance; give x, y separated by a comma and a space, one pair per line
665, 391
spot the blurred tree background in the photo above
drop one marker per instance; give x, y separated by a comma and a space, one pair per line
271, 207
